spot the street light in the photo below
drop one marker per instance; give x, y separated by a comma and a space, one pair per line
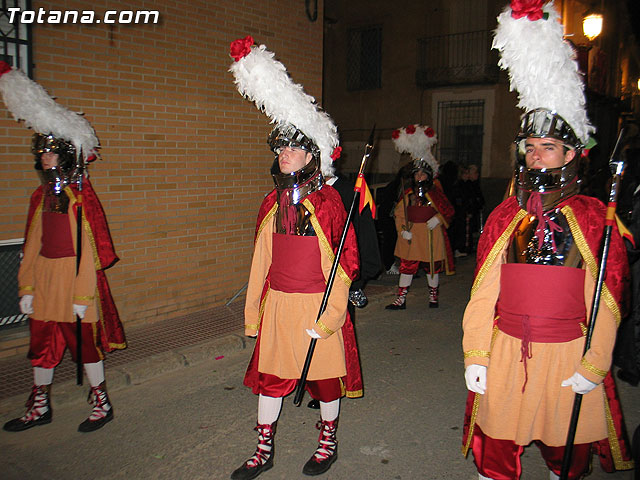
592, 24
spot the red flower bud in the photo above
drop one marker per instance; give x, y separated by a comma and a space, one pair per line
336, 153
429, 132
531, 8
411, 129
4, 68
241, 48
395, 134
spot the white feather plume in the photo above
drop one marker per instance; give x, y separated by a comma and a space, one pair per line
28, 101
264, 80
542, 67
417, 144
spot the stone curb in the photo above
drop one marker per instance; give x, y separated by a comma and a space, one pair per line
135, 372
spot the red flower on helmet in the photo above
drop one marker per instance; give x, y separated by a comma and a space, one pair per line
411, 129
395, 134
336, 153
429, 132
4, 68
241, 48
531, 8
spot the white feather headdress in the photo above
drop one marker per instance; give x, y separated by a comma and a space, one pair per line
542, 66
417, 141
264, 80
28, 101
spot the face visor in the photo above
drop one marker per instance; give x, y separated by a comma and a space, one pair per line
554, 184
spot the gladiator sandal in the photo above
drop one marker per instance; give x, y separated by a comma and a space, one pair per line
102, 412
327, 451
39, 410
262, 460
433, 297
400, 303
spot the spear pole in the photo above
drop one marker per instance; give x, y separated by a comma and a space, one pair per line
78, 258
332, 275
407, 226
617, 169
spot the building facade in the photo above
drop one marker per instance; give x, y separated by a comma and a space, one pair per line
185, 163
431, 63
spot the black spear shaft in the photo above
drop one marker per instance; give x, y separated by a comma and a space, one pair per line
297, 400
617, 167
78, 257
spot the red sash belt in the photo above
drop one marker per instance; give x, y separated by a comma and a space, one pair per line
56, 236
296, 265
420, 214
540, 303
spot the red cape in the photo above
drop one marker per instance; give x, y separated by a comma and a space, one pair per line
590, 217
111, 334
331, 216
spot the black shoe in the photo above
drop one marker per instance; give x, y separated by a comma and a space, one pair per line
18, 425
313, 467
91, 425
246, 472
315, 404
393, 306
433, 304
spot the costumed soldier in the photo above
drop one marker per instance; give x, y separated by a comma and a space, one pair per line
365, 228
55, 286
422, 216
297, 234
537, 265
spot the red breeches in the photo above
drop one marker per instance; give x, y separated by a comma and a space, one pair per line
500, 459
411, 267
49, 340
325, 390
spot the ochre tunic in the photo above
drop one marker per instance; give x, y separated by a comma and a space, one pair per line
543, 410
53, 281
426, 245
281, 317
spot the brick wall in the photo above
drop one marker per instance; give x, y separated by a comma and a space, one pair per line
184, 157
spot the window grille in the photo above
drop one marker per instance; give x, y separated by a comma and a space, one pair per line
456, 59
364, 58
460, 131
15, 38
10, 315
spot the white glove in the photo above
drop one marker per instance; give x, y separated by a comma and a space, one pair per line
79, 310
406, 235
579, 384
312, 333
476, 378
26, 304
433, 222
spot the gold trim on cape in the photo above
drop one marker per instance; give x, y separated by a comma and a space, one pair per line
498, 247
590, 260
324, 243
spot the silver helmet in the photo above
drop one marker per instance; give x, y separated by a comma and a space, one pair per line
55, 179
420, 188
554, 184
310, 174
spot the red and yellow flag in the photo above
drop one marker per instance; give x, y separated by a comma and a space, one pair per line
365, 195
